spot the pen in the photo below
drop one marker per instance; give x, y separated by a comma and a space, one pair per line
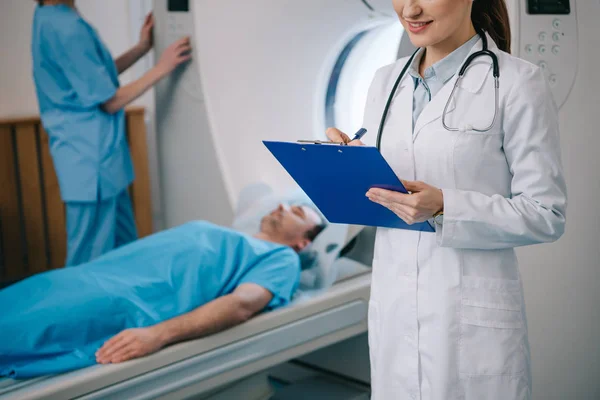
359, 134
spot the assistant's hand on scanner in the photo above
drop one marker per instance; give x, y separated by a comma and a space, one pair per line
176, 54
147, 34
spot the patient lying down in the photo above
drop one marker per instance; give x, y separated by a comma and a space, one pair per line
183, 283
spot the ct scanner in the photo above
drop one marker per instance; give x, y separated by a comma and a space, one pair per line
273, 70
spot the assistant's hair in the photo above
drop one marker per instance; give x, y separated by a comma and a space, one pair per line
491, 16
314, 232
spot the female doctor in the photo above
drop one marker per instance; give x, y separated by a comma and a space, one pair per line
82, 109
447, 317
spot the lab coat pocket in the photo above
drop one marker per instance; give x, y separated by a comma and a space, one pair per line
493, 334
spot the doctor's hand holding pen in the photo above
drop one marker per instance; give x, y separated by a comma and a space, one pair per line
335, 135
421, 204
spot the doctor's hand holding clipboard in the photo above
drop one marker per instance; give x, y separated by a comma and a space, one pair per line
423, 203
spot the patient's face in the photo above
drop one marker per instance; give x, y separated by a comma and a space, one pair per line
289, 225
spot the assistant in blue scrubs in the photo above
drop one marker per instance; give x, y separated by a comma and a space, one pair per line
75, 77
55, 321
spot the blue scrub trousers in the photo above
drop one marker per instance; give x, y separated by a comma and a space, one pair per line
96, 228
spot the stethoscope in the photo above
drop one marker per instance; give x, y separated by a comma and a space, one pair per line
463, 69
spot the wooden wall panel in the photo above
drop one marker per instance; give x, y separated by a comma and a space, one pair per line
32, 197
11, 227
55, 208
32, 214
140, 192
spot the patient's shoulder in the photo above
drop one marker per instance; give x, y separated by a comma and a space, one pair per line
284, 257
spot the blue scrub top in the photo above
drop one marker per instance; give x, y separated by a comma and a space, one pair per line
55, 321
74, 75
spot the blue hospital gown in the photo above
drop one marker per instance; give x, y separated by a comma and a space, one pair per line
55, 321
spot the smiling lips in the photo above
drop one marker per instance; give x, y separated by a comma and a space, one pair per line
417, 27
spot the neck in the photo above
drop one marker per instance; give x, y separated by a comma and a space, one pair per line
266, 237
438, 51
269, 238
69, 3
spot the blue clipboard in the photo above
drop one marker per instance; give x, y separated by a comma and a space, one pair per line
337, 178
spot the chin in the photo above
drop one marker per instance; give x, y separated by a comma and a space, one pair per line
422, 40
419, 41
264, 224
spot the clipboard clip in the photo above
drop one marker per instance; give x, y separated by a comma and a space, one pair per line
321, 142
361, 132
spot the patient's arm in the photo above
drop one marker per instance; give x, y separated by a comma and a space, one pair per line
215, 316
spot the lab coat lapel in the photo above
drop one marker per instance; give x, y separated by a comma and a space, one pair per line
434, 109
397, 132
472, 82
406, 115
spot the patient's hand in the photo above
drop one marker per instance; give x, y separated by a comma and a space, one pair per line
129, 344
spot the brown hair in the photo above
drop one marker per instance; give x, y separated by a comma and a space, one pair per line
314, 232
491, 16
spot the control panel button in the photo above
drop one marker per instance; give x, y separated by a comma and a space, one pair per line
556, 49
556, 36
553, 79
542, 36
529, 49
542, 49
557, 23
543, 65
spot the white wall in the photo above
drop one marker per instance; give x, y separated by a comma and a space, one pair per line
17, 96
118, 23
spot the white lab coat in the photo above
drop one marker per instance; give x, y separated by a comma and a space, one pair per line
446, 316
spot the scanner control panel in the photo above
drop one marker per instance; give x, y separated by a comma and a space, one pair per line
548, 38
180, 23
